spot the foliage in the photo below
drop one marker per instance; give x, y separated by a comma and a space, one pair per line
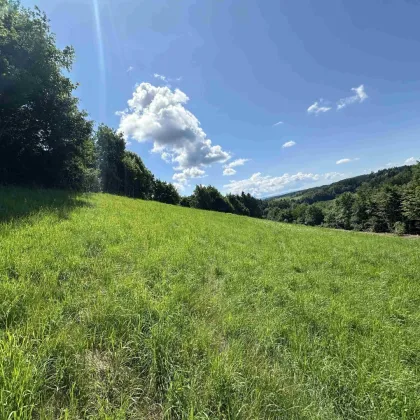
44, 139
165, 193
399, 228
391, 176
254, 205
314, 216
237, 205
118, 308
411, 201
185, 202
209, 198
138, 180
388, 201
111, 154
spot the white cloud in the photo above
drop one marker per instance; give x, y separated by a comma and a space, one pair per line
130, 69
339, 162
180, 187
167, 80
334, 176
288, 144
237, 162
258, 184
181, 178
228, 169
316, 108
167, 157
410, 161
160, 77
359, 96
278, 123
157, 114
346, 160
186, 174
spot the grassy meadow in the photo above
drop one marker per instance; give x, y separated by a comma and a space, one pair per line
114, 308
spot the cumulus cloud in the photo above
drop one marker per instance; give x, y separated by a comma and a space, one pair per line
358, 97
317, 108
346, 160
410, 161
228, 169
277, 123
157, 114
288, 144
181, 178
258, 184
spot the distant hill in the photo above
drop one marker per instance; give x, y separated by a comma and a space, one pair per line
383, 201
393, 176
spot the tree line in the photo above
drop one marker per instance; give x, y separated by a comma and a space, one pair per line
388, 201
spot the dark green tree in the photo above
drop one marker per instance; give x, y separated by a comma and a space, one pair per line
299, 212
138, 180
254, 205
411, 201
237, 205
360, 211
314, 216
388, 201
209, 198
343, 210
111, 154
165, 192
279, 210
44, 139
185, 202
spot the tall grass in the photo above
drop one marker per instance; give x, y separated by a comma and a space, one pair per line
114, 308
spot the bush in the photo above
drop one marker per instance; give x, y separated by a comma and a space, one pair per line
399, 228
185, 202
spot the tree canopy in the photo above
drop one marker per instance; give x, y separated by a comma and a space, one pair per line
387, 201
45, 139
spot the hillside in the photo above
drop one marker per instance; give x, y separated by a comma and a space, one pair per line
391, 176
119, 308
384, 201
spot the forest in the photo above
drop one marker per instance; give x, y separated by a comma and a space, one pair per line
385, 201
46, 141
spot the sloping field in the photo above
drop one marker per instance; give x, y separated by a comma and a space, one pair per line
119, 308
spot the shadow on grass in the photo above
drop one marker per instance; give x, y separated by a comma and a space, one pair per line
19, 204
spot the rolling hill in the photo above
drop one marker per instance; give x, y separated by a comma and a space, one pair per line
112, 307
392, 176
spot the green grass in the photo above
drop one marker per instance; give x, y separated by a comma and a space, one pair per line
114, 308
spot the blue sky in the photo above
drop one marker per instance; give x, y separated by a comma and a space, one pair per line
240, 67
